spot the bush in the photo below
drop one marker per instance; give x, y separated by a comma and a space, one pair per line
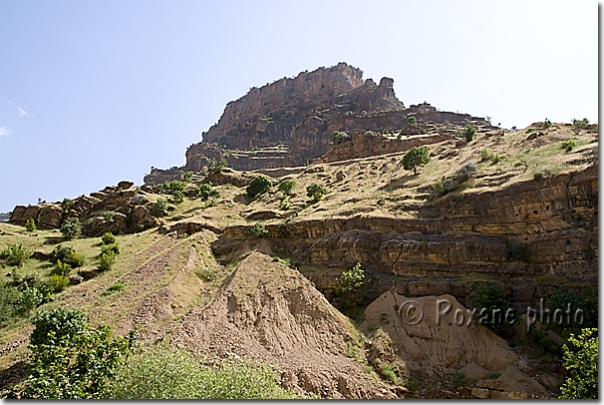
108, 216
30, 225
485, 155
568, 145
465, 172
336, 137
411, 120
581, 364
14, 255
258, 186
113, 249
546, 124
206, 191
106, 261
497, 158
169, 373
487, 298
469, 131
217, 166
258, 230
69, 256
71, 228
538, 176
287, 186
76, 366
348, 288
159, 208
64, 322
61, 269
579, 125
187, 176
174, 185
285, 205
9, 302
59, 282
417, 156
108, 238
178, 197
114, 288
316, 192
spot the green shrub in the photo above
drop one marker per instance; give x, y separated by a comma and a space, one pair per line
71, 229
9, 302
546, 124
114, 288
497, 158
485, 155
316, 192
579, 125
348, 293
258, 186
287, 186
538, 176
411, 120
30, 225
159, 208
581, 364
61, 269
206, 191
76, 366
285, 205
59, 282
14, 255
568, 145
415, 157
108, 238
487, 298
465, 172
369, 134
108, 216
217, 166
178, 196
336, 137
449, 185
60, 320
113, 248
438, 186
174, 185
106, 261
469, 131
68, 255
187, 176
258, 230
169, 373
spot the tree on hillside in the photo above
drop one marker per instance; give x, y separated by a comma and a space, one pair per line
417, 156
581, 364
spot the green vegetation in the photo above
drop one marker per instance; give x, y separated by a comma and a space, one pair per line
417, 156
348, 293
59, 282
579, 125
106, 261
568, 145
108, 216
206, 191
546, 124
411, 120
493, 308
258, 230
177, 197
316, 192
187, 176
14, 255
61, 269
108, 238
71, 229
581, 364
114, 288
469, 131
159, 208
217, 166
30, 225
285, 205
259, 185
287, 186
485, 155
465, 172
169, 373
336, 137
64, 322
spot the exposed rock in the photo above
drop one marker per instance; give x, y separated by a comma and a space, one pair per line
340, 175
88, 274
41, 255
75, 280
125, 184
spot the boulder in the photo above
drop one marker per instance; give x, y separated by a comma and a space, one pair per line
41, 255
75, 280
124, 185
50, 216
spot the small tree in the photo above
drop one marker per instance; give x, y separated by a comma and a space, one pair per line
581, 364
60, 320
412, 120
417, 156
108, 238
469, 132
579, 125
187, 176
287, 186
546, 124
30, 225
258, 185
71, 229
206, 191
316, 192
336, 137
348, 287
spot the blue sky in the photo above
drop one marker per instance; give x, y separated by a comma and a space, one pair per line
94, 92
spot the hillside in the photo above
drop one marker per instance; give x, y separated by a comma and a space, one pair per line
224, 274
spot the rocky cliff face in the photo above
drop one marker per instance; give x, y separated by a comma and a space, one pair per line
289, 122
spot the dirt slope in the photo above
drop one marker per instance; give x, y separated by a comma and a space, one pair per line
269, 311
436, 346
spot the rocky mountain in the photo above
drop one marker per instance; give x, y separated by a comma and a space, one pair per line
290, 122
209, 268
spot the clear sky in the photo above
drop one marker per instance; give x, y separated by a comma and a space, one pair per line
94, 92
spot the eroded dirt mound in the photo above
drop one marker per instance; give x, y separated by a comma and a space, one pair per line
434, 342
268, 311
